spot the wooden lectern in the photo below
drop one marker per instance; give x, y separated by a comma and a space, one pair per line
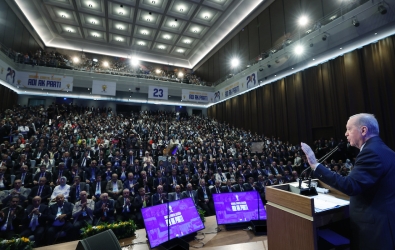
292, 222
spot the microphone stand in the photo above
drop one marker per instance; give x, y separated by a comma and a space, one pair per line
309, 191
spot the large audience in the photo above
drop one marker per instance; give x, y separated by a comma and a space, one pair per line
110, 65
64, 167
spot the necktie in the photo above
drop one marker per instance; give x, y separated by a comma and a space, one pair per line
40, 189
241, 189
218, 192
230, 190
98, 188
23, 178
77, 193
83, 162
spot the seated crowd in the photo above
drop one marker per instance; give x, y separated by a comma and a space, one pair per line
66, 167
111, 65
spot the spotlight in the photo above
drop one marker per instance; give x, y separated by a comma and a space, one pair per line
382, 10
299, 49
269, 65
324, 37
106, 64
176, 19
76, 59
150, 13
303, 20
134, 61
355, 22
311, 44
234, 62
260, 69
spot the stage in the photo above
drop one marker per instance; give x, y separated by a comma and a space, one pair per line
223, 240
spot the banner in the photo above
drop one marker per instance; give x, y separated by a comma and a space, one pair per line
155, 92
197, 96
44, 81
104, 88
8, 74
244, 83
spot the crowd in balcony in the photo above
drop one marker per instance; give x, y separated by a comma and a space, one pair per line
110, 65
67, 166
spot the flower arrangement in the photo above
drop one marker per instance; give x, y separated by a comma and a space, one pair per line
201, 214
16, 244
122, 230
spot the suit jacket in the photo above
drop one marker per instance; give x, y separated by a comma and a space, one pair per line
138, 203
42, 220
73, 196
65, 173
23, 194
157, 199
225, 189
109, 187
28, 181
66, 209
103, 186
77, 210
237, 188
185, 194
45, 193
119, 205
47, 175
200, 194
172, 196
98, 212
133, 190
213, 190
16, 219
371, 188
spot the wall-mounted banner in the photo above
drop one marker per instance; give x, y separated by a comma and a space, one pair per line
244, 83
44, 81
155, 92
197, 96
103, 88
8, 74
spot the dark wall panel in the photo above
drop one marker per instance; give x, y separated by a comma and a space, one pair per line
323, 97
312, 9
292, 13
243, 46
277, 21
253, 40
265, 33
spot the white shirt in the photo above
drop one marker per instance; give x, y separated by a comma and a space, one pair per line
65, 190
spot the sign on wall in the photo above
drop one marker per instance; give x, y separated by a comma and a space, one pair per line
197, 96
43, 81
244, 83
8, 74
104, 88
155, 92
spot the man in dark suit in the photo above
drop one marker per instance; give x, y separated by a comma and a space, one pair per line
43, 173
160, 180
35, 219
41, 190
124, 206
98, 187
132, 184
18, 191
58, 173
205, 199
370, 184
159, 197
92, 172
176, 195
5, 179
216, 189
140, 201
10, 219
104, 209
26, 177
76, 189
59, 217
190, 193
239, 187
174, 180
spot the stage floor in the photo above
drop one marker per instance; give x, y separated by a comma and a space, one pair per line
223, 240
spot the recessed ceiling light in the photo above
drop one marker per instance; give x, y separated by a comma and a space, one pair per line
167, 37
93, 22
313, 59
292, 68
187, 41
341, 48
195, 31
180, 51
173, 25
63, 15
181, 9
149, 19
153, 2
120, 13
144, 32
206, 17
120, 27
375, 33
69, 30
90, 5
141, 43
94, 35
161, 47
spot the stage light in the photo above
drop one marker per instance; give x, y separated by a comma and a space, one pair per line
158, 71
134, 61
234, 62
299, 49
106, 64
311, 44
324, 37
303, 20
180, 75
76, 59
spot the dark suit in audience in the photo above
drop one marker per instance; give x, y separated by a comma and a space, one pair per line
59, 221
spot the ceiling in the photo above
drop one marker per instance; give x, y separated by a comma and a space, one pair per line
174, 32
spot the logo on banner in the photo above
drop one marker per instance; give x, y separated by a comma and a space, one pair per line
11, 73
217, 96
251, 80
104, 87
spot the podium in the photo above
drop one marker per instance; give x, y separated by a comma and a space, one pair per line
292, 222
